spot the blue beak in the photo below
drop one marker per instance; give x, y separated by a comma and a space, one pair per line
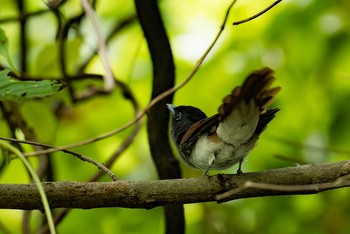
171, 108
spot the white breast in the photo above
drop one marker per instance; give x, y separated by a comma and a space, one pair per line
223, 155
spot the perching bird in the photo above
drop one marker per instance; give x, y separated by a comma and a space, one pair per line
225, 139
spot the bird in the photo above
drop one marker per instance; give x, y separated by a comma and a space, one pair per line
226, 138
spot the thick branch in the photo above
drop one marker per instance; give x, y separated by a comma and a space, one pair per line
149, 194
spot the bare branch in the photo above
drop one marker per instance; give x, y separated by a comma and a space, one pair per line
149, 194
109, 77
79, 156
258, 14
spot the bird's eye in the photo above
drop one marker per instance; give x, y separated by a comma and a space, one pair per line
178, 116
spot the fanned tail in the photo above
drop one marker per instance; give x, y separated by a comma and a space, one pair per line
256, 87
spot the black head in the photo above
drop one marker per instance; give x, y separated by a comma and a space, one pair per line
182, 118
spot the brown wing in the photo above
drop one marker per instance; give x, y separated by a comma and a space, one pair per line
205, 126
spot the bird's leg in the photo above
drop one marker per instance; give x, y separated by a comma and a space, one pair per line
210, 163
206, 171
239, 171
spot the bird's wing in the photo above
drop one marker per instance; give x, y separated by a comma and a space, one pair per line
205, 126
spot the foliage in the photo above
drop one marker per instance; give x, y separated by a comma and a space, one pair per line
20, 90
305, 42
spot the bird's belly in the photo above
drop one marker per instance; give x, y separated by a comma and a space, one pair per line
224, 155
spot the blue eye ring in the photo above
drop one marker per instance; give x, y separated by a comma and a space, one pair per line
178, 116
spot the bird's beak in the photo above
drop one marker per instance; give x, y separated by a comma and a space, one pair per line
171, 108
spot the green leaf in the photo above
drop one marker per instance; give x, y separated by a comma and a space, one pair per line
20, 90
4, 48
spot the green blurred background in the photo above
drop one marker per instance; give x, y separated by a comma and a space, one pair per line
307, 43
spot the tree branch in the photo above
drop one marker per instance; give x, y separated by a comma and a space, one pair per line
258, 14
148, 194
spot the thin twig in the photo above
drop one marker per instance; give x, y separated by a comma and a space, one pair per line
109, 77
81, 157
257, 15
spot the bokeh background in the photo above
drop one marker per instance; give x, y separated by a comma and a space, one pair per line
307, 43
